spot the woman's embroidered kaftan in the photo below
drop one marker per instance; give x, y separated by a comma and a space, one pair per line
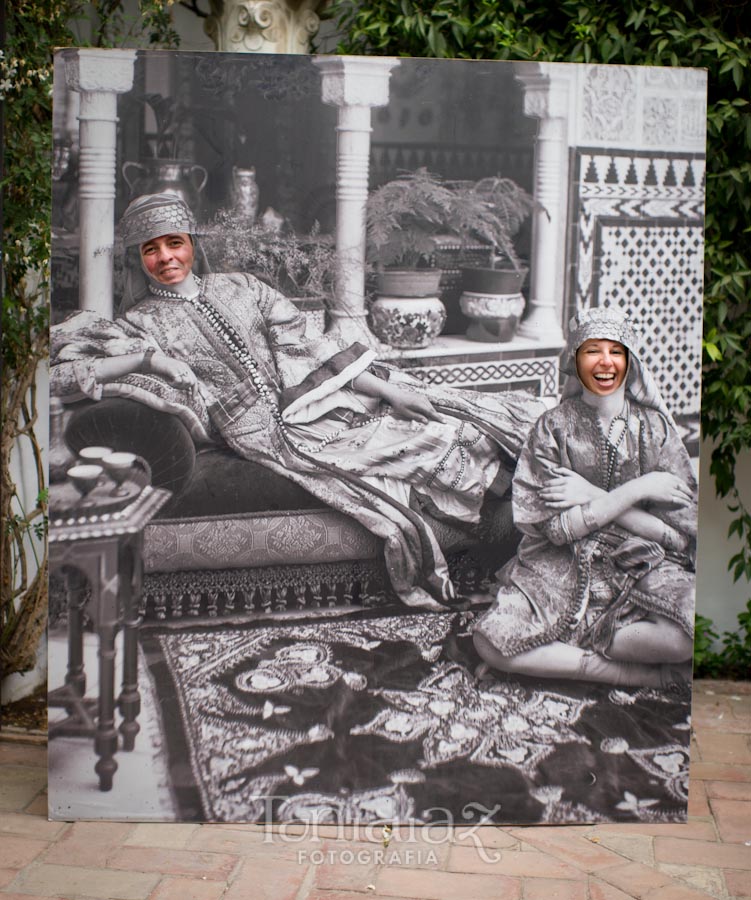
578, 591
281, 397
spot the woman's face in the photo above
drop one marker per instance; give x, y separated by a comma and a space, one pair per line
168, 259
601, 365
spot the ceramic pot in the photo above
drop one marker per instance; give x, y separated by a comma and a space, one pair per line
493, 281
495, 317
244, 193
407, 323
169, 176
408, 282
61, 457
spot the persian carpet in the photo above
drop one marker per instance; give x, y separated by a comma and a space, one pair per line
357, 717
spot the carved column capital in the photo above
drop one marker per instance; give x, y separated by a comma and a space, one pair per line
263, 26
92, 69
546, 89
355, 80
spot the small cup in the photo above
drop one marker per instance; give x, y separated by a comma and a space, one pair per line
85, 478
93, 455
119, 466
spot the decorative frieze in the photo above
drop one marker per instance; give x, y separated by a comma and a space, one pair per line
540, 374
641, 107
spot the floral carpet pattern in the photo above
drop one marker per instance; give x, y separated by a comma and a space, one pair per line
363, 717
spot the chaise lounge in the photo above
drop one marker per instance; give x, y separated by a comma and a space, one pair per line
236, 537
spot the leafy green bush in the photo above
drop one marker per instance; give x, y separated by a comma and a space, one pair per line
706, 660
734, 660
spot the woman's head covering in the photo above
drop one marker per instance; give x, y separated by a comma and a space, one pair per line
154, 215
147, 217
611, 324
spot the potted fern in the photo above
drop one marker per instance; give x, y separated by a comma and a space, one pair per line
493, 210
404, 218
496, 208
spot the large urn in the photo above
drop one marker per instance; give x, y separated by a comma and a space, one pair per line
182, 177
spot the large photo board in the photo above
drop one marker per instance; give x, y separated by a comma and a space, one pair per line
329, 549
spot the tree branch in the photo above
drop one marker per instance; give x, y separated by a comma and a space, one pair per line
192, 6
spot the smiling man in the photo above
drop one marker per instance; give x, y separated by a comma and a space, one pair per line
168, 259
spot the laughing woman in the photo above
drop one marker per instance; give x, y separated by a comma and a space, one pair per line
602, 586
237, 361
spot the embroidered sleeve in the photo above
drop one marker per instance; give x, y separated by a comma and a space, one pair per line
78, 342
315, 370
73, 381
556, 532
539, 456
544, 451
662, 450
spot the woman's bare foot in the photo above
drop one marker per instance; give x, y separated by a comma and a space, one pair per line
483, 672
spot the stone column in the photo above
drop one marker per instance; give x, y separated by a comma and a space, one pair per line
355, 85
99, 76
546, 98
263, 26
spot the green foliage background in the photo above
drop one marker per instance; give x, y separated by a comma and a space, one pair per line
710, 34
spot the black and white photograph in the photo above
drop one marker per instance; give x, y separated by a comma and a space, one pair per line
374, 438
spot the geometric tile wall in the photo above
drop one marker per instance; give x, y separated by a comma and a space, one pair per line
639, 244
655, 271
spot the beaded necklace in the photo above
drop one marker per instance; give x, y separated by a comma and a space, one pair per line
460, 444
173, 295
612, 448
235, 344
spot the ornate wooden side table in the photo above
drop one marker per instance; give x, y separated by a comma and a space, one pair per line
96, 544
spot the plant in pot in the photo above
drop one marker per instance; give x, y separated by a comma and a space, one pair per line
405, 217
492, 210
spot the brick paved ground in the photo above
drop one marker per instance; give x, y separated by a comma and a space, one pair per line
708, 857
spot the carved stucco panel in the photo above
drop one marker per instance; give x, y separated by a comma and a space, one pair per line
609, 104
675, 79
661, 121
694, 119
